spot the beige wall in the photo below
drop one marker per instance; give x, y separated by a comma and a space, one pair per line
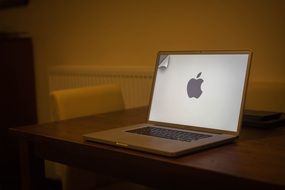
130, 32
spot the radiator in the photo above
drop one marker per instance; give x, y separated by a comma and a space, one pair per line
135, 82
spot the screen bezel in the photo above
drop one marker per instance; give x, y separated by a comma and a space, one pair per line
207, 52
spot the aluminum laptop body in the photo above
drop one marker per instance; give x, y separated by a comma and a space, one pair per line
197, 92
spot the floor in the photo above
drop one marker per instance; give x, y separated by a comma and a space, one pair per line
56, 185
51, 185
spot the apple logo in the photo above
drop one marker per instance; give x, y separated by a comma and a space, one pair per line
194, 87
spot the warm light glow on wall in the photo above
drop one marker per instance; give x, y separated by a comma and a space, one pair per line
128, 32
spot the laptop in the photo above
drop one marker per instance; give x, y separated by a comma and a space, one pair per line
196, 102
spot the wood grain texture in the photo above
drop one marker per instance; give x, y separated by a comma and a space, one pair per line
255, 160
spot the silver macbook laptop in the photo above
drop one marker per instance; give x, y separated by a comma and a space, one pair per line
197, 102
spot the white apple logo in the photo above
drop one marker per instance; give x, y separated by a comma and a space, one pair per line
194, 87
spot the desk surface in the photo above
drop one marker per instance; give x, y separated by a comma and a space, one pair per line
257, 158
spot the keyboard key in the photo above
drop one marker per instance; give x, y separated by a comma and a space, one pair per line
169, 134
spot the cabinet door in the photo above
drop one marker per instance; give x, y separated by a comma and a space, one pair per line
17, 99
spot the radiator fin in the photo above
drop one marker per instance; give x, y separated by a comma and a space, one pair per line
135, 82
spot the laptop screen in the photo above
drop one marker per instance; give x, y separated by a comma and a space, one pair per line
199, 89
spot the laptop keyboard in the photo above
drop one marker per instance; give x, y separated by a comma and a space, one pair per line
169, 134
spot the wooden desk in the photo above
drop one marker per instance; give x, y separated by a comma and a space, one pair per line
255, 161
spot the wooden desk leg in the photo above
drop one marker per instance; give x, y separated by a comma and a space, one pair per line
32, 168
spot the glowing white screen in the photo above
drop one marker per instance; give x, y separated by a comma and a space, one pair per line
218, 107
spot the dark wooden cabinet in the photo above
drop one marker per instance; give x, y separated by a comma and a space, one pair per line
18, 100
